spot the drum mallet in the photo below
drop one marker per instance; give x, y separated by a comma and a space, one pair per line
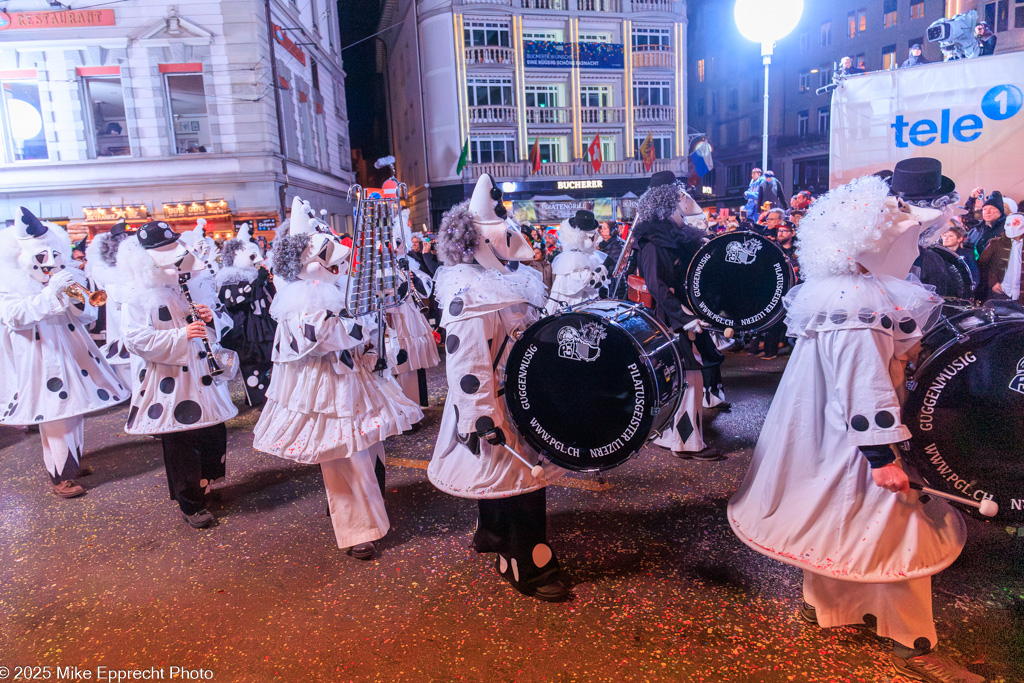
987, 507
536, 470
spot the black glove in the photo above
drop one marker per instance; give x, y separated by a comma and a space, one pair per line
495, 436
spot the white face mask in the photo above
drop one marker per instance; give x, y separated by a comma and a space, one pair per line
501, 242
248, 256
41, 264
324, 259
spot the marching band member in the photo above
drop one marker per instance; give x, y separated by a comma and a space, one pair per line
580, 271
485, 299
410, 340
101, 267
51, 372
325, 403
825, 490
177, 392
244, 290
666, 246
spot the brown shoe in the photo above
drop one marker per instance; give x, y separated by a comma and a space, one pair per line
68, 489
933, 667
363, 551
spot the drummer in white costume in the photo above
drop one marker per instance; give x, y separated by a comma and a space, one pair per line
51, 372
410, 340
580, 271
101, 268
485, 299
825, 491
175, 396
325, 404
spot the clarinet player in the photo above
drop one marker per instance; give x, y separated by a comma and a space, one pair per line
178, 391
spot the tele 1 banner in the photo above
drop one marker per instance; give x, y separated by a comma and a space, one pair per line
965, 113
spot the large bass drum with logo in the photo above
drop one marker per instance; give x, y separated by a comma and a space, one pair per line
736, 282
947, 272
586, 388
966, 408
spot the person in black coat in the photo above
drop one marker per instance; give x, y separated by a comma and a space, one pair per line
770, 190
666, 245
611, 244
915, 58
986, 39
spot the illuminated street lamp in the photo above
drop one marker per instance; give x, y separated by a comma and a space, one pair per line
766, 21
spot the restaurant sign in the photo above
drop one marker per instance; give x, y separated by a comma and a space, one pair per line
75, 18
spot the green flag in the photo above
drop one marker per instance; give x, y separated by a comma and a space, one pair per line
463, 158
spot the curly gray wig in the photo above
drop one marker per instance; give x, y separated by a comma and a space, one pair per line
658, 203
457, 240
228, 251
288, 255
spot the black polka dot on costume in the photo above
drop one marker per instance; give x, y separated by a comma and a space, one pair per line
62, 395
309, 332
123, 353
103, 394
838, 317
155, 411
451, 344
357, 332
132, 413
167, 385
484, 424
402, 357
188, 412
164, 314
142, 374
456, 306
184, 368
85, 373
470, 384
207, 380
38, 418
55, 384
346, 358
886, 322
71, 327
907, 326
112, 350
885, 419
866, 316
294, 345
860, 423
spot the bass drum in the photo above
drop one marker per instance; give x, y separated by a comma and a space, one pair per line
947, 272
586, 387
966, 408
737, 281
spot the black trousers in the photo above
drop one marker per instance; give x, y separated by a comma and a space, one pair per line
513, 527
191, 457
772, 336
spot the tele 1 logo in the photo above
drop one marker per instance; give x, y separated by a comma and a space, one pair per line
998, 104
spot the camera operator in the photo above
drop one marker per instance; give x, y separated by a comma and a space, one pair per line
986, 39
915, 58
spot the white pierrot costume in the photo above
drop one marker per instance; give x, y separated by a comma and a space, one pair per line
101, 268
482, 304
410, 340
808, 498
325, 404
51, 371
173, 390
580, 271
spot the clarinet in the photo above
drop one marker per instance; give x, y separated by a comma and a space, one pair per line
193, 316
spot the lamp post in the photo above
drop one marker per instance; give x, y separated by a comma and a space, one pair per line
766, 21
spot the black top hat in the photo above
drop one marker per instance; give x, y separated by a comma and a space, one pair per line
156, 234
584, 220
118, 228
918, 178
662, 178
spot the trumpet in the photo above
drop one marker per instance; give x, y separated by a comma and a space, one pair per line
81, 294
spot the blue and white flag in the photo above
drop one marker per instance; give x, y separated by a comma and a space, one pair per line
701, 158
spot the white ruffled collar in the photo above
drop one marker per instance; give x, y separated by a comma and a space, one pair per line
480, 290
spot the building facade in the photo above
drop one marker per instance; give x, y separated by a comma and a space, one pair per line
509, 80
727, 80
147, 109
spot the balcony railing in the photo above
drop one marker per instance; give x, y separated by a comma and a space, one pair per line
653, 5
657, 58
654, 114
561, 5
539, 115
520, 170
603, 114
492, 114
489, 54
599, 5
506, 3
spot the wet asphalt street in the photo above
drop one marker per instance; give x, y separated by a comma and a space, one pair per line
662, 589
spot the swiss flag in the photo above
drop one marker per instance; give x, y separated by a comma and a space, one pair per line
595, 153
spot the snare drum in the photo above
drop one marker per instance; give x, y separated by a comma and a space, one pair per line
586, 388
966, 408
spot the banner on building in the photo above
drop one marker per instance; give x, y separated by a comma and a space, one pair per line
966, 113
550, 55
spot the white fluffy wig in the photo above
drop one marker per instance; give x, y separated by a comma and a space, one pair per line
458, 238
840, 226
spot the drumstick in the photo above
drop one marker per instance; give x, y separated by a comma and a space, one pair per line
987, 507
536, 470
